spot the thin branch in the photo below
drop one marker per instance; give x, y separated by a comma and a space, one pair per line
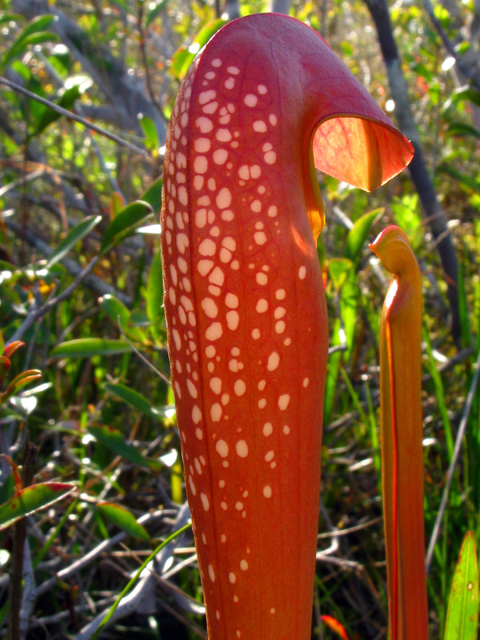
93, 281
458, 443
73, 116
344, 532
28, 589
450, 47
143, 50
38, 313
94, 553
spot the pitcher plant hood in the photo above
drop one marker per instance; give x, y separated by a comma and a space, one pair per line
402, 429
264, 103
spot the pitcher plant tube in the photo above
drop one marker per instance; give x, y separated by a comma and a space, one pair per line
264, 104
402, 428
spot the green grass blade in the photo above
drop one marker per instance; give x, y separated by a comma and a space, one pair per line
135, 578
462, 615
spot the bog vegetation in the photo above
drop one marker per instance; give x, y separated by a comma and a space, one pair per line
92, 481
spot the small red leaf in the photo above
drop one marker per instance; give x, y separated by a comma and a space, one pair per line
10, 350
16, 476
335, 626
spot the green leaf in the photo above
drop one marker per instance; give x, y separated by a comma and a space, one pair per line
88, 347
151, 135
77, 86
407, 216
114, 309
114, 440
339, 268
179, 58
117, 203
470, 183
123, 519
32, 34
358, 234
78, 232
9, 17
32, 499
155, 289
183, 58
462, 615
467, 94
123, 5
7, 489
463, 129
138, 318
157, 9
349, 295
125, 223
153, 195
133, 398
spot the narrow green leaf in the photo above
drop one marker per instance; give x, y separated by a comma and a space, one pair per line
7, 489
114, 440
348, 309
132, 397
334, 362
138, 318
78, 232
358, 234
32, 499
9, 17
179, 58
183, 58
463, 129
123, 519
115, 309
117, 203
339, 268
125, 223
466, 93
155, 289
157, 9
123, 5
88, 347
462, 615
35, 26
151, 135
466, 181
31, 35
153, 195
66, 100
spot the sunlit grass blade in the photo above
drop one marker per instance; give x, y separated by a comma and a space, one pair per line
135, 578
462, 616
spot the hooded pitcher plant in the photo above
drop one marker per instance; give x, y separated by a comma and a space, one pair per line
401, 427
262, 105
